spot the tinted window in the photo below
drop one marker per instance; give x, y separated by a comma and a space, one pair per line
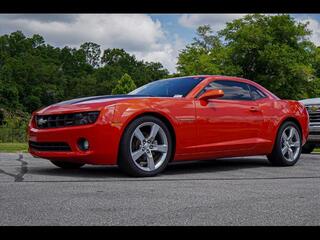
232, 90
173, 87
256, 93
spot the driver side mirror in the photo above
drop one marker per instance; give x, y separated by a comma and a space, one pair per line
211, 94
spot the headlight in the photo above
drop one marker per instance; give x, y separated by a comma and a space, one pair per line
85, 118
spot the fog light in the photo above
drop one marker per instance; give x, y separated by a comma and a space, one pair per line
83, 144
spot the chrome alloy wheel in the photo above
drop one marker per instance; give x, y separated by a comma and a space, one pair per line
290, 143
148, 146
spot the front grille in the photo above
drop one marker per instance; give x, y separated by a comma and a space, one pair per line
53, 121
314, 133
65, 120
314, 117
314, 113
50, 146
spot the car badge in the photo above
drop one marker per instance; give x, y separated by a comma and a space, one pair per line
42, 121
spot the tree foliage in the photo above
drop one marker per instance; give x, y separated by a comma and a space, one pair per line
274, 51
124, 85
34, 74
92, 52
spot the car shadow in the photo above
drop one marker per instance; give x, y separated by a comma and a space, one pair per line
216, 165
187, 167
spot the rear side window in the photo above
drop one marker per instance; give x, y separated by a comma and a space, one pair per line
232, 90
256, 93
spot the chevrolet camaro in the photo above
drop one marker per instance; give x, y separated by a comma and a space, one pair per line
178, 119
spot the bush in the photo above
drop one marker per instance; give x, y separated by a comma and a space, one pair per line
14, 126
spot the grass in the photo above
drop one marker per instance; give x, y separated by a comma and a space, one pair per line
13, 147
316, 150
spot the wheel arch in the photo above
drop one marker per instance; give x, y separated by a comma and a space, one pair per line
160, 116
291, 119
284, 120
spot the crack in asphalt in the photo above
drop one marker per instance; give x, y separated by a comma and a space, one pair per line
22, 171
19, 177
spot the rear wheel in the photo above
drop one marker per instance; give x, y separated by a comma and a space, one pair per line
308, 148
287, 148
146, 147
67, 165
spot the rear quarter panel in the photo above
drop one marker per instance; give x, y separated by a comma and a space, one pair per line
275, 113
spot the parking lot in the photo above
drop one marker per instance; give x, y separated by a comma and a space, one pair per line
239, 191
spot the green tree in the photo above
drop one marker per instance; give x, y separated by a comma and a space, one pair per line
206, 55
124, 85
272, 50
92, 52
34, 74
121, 62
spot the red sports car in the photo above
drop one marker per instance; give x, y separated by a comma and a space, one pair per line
177, 119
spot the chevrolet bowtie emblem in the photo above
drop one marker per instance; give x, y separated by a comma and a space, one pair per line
42, 121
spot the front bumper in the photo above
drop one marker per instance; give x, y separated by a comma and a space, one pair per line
314, 134
103, 140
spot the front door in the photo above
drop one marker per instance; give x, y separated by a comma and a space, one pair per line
230, 124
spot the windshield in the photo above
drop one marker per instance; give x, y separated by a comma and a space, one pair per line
172, 87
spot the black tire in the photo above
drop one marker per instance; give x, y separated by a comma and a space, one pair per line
67, 165
125, 161
276, 158
308, 148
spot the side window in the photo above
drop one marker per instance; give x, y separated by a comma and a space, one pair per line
256, 93
232, 90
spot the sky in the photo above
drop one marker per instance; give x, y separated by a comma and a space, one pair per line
150, 37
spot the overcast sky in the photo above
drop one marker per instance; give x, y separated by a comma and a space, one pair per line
152, 37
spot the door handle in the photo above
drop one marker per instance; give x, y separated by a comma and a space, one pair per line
254, 109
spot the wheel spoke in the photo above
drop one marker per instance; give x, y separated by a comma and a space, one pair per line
284, 150
160, 148
291, 133
295, 144
284, 136
290, 152
139, 135
150, 161
137, 154
154, 131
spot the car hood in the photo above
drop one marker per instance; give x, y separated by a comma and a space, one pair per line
85, 104
310, 101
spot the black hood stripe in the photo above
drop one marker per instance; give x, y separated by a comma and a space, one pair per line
79, 100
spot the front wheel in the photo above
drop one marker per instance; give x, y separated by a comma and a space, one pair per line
67, 165
146, 147
287, 148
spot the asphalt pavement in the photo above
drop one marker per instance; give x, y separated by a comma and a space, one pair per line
237, 191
